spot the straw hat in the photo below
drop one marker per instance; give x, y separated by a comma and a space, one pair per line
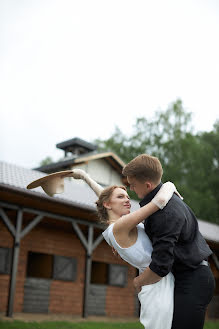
52, 183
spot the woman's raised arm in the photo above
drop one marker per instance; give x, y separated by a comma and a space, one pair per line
81, 174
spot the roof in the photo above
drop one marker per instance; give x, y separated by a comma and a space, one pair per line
77, 194
17, 178
209, 230
76, 142
111, 157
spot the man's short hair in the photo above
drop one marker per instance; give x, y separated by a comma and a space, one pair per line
144, 167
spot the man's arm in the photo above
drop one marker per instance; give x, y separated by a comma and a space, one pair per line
165, 230
145, 278
166, 227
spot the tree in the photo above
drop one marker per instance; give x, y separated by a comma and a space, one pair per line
46, 161
189, 165
149, 136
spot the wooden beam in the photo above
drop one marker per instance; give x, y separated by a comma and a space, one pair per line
31, 225
216, 260
7, 222
98, 240
13, 276
80, 235
52, 215
88, 244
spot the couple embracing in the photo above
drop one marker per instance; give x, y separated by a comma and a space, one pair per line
162, 240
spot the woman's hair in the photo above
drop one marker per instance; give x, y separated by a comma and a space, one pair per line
144, 167
105, 197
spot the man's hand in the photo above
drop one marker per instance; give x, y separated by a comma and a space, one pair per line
115, 253
145, 278
137, 284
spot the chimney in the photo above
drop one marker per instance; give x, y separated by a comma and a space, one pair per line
76, 146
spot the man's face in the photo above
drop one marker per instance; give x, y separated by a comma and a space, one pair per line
140, 188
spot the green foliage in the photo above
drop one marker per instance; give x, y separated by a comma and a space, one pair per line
46, 161
189, 160
149, 136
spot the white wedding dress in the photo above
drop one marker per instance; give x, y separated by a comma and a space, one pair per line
156, 299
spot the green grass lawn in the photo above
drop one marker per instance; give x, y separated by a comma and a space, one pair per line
81, 325
68, 325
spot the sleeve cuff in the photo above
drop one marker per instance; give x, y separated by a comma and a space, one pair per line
159, 270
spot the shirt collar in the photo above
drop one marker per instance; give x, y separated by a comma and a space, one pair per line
150, 196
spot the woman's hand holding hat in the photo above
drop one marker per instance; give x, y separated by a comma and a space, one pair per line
78, 174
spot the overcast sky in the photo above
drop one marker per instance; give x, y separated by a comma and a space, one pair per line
79, 68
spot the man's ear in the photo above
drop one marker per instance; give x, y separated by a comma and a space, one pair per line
107, 205
149, 185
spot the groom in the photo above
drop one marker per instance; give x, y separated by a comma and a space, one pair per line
178, 246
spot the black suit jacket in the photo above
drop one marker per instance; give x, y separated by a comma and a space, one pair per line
177, 242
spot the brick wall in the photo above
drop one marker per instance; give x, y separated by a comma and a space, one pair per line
65, 297
58, 238
6, 240
119, 301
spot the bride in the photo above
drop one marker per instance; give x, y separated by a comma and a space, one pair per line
125, 233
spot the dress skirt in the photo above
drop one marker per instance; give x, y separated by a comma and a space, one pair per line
157, 301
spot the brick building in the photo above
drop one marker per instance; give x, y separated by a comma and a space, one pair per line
53, 258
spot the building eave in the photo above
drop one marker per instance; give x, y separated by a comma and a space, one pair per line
110, 157
40, 201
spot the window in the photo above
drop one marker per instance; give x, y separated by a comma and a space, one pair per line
99, 273
117, 275
39, 265
64, 268
5, 260
51, 267
111, 274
